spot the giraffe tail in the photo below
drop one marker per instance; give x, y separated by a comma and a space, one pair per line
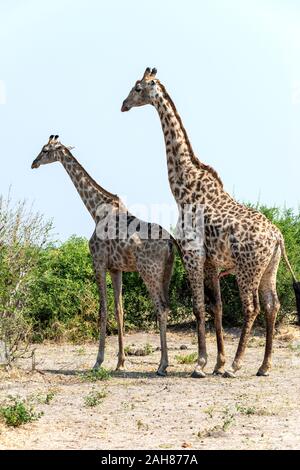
296, 284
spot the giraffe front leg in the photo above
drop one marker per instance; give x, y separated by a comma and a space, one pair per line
194, 265
164, 362
116, 278
101, 281
219, 368
198, 372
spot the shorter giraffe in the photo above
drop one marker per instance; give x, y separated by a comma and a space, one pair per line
120, 242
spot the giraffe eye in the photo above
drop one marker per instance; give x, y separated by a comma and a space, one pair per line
138, 89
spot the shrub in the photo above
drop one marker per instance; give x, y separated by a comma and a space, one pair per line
18, 412
50, 289
187, 359
23, 235
15, 335
94, 398
96, 374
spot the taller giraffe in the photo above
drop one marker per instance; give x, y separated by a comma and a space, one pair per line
236, 238
120, 242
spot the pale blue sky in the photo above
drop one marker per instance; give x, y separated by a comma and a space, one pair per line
232, 68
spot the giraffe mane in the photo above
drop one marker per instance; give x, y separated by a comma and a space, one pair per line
194, 159
97, 186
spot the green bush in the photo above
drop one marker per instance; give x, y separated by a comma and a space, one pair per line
24, 235
94, 398
96, 374
63, 302
58, 297
18, 412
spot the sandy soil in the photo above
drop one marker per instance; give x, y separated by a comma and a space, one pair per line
143, 411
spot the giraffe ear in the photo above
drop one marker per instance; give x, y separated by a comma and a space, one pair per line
147, 73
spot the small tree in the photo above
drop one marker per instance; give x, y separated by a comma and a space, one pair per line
23, 234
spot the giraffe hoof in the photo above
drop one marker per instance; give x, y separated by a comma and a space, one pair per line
262, 373
219, 372
198, 374
121, 368
96, 366
229, 375
161, 373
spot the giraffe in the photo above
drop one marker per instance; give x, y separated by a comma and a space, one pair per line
235, 238
133, 246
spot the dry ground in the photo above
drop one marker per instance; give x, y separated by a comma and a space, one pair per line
142, 411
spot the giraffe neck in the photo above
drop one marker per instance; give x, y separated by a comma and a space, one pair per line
90, 192
183, 166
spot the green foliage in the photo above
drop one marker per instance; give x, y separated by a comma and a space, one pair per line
94, 398
18, 412
180, 293
23, 236
136, 299
187, 358
51, 289
64, 289
96, 374
63, 300
46, 399
246, 410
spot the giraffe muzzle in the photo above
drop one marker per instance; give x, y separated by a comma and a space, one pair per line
125, 107
35, 164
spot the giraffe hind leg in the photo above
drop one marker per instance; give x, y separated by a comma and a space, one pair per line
213, 292
251, 307
271, 305
155, 284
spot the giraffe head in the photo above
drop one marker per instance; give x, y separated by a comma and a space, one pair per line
51, 152
143, 92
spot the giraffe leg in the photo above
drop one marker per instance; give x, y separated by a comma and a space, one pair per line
269, 298
162, 319
250, 301
194, 265
162, 314
212, 287
116, 277
168, 269
101, 281
156, 288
